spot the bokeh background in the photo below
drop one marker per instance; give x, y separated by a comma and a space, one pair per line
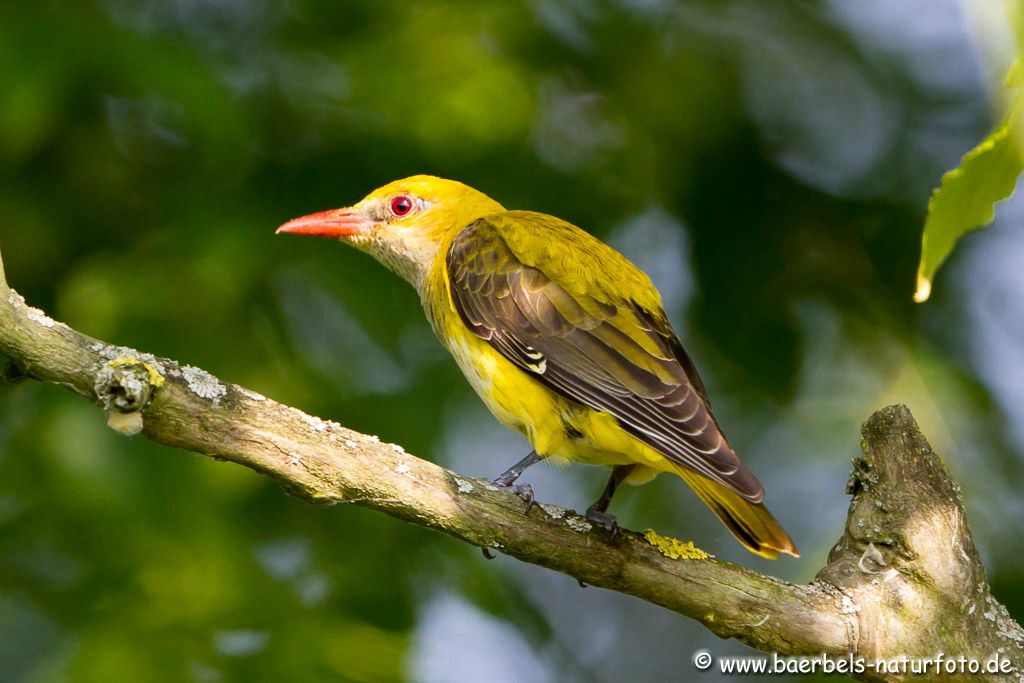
767, 163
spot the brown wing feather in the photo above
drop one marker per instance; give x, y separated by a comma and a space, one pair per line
613, 356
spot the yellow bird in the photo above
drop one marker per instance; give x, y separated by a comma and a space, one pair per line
562, 337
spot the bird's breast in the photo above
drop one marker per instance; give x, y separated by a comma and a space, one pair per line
513, 397
556, 426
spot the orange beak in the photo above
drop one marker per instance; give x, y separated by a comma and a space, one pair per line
336, 223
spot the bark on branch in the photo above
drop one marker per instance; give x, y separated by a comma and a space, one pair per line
904, 579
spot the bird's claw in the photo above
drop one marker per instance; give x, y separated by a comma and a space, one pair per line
603, 519
524, 491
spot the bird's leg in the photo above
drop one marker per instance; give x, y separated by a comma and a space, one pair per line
507, 479
598, 512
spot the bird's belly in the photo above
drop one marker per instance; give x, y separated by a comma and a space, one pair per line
514, 398
557, 427
603, 441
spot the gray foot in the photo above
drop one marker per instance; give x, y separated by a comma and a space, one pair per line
524, 491
603, 519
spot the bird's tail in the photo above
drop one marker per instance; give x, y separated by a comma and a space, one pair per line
750, 523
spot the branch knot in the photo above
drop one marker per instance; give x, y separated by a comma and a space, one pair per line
125, 386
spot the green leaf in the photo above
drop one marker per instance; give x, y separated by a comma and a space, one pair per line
966, 199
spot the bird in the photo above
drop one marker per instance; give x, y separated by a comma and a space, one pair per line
564, 340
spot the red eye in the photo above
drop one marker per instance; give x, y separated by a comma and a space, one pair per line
401, 205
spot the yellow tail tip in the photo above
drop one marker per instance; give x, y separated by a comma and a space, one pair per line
772, 553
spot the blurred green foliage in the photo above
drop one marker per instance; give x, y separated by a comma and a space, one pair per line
769, 163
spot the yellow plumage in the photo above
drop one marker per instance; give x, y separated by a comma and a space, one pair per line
561, 336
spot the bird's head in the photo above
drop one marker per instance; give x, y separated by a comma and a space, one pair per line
402, 224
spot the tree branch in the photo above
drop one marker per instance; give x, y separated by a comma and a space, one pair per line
905, 579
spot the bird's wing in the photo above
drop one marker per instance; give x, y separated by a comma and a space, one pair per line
585, 322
